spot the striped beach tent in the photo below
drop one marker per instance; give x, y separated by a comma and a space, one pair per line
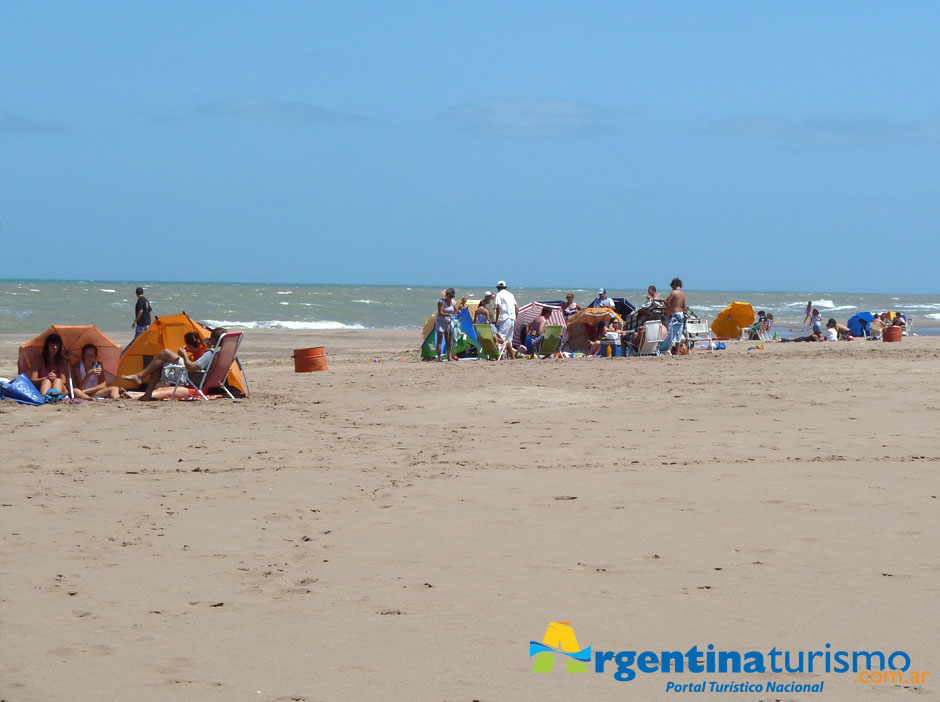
530, 312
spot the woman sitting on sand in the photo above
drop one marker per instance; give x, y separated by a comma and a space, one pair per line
90, 382
53, 373
154, 369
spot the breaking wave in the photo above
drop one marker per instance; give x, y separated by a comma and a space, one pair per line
281, 324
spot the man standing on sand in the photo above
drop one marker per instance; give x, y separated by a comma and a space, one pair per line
676, 307
506, 311
142, 312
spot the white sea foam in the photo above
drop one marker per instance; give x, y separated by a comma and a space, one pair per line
843, 307
283, 303
284, 292
367, 302
935, 315
108, 290
33, 290
281, 324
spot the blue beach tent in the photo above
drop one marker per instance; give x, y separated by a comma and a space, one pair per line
860, 323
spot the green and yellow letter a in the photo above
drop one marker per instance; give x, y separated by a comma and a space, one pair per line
559, 635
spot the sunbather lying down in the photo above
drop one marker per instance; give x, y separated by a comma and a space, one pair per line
155, 367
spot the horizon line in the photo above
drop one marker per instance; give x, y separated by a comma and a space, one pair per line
435, 285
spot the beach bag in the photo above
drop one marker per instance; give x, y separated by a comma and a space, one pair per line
22, 390
174, 373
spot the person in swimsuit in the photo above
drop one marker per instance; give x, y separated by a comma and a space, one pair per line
571, 307
535, 333
651, 293
483, 314
53, 373
446, 311
90, 379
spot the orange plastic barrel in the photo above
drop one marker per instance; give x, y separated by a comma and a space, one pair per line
308, 360
892, 334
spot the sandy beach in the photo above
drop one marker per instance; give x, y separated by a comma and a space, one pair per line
393, 529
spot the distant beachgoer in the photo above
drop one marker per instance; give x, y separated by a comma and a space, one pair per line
462, 304
535, 333
769, 323
489, 302
676, 308
603, 300
832, 334
53, 373
142, 312
816, 321
446, 311
842, 330
482, 314
651, 294
815, 336
877, 326
90, 381
809, 311
506, 311
571, 307
155, 367
753, 332
899, 320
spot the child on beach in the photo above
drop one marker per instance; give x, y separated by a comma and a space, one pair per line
816, 321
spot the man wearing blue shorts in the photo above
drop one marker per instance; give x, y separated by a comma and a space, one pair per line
676, 307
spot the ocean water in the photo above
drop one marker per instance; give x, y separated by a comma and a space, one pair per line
29, 306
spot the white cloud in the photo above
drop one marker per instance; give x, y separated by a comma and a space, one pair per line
530, 117
282, 112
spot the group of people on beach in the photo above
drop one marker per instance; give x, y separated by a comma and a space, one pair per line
836, 331
86, 379
501, 310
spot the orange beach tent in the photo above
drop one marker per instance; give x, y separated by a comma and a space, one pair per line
168, 333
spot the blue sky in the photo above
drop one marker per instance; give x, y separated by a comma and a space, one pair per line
739, 145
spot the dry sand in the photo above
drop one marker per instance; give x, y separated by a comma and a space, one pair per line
401, 530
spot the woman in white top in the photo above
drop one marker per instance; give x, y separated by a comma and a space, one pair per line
90, 379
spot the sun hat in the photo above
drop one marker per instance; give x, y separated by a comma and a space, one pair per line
487, 294
601, 291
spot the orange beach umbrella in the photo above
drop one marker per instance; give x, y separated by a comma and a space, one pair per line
74, 338
732, 319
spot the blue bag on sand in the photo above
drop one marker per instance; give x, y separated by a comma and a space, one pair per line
23, 391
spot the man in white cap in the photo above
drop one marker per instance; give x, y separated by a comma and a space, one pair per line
506, 311
603, 300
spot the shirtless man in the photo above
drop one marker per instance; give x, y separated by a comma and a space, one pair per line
535, 332
676, 308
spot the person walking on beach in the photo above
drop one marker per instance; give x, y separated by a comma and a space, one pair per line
809, 311
676, 307
142, 312
506, 311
